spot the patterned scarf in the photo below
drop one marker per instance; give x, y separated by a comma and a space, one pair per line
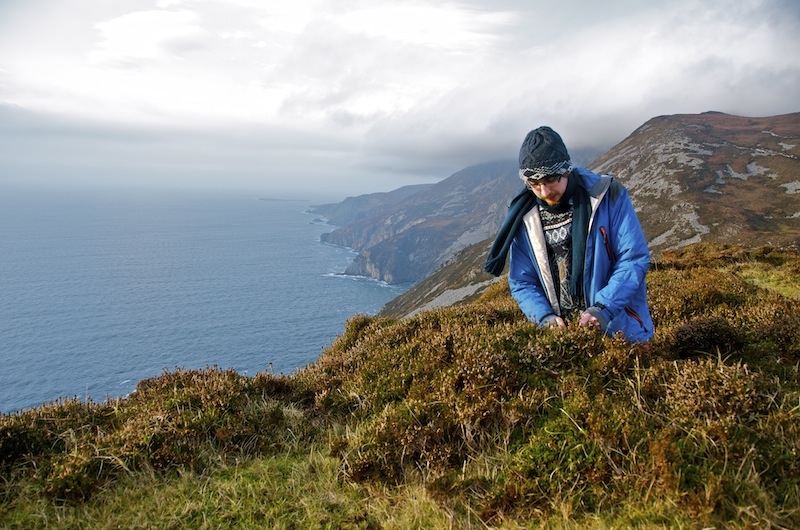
565, 225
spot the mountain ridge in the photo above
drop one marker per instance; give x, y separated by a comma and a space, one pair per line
354, 209
712, 177
692, 177
732, 173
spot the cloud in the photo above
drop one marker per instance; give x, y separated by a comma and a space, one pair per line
449, 27
146, 36
383, 91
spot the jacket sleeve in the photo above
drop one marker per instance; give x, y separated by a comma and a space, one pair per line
524, 281
622, 247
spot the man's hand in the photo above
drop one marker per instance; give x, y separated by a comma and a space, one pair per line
589, 320
554, 322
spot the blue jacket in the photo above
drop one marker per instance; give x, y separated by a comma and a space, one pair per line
617, 260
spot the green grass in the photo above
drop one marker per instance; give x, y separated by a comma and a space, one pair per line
283, 491
460, 417
780, 280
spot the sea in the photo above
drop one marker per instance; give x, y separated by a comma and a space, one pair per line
102, 289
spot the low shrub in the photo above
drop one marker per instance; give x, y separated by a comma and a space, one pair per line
500, 420
183, 419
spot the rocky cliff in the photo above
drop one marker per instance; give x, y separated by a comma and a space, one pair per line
354, 209
405, 241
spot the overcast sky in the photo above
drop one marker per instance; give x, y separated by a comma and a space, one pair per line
347, 97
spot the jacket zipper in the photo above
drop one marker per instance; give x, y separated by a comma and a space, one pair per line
635, 316
605, 240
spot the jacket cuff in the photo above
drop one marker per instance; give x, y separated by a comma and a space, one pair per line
597, 313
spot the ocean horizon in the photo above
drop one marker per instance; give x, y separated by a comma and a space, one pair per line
103, 289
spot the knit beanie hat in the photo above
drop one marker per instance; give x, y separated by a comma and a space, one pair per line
543, 153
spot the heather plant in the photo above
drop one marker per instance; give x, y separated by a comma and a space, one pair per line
478, 411
183, 419
583, 420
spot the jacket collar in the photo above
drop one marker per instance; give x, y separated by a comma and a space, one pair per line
596, 185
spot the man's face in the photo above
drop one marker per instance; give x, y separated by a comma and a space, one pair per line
550, 189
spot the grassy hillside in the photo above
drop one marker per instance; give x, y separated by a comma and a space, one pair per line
459, 280
463, 417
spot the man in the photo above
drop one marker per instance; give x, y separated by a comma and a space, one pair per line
577, 253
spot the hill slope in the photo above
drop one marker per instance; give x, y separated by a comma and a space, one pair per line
712, 177
462, 417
